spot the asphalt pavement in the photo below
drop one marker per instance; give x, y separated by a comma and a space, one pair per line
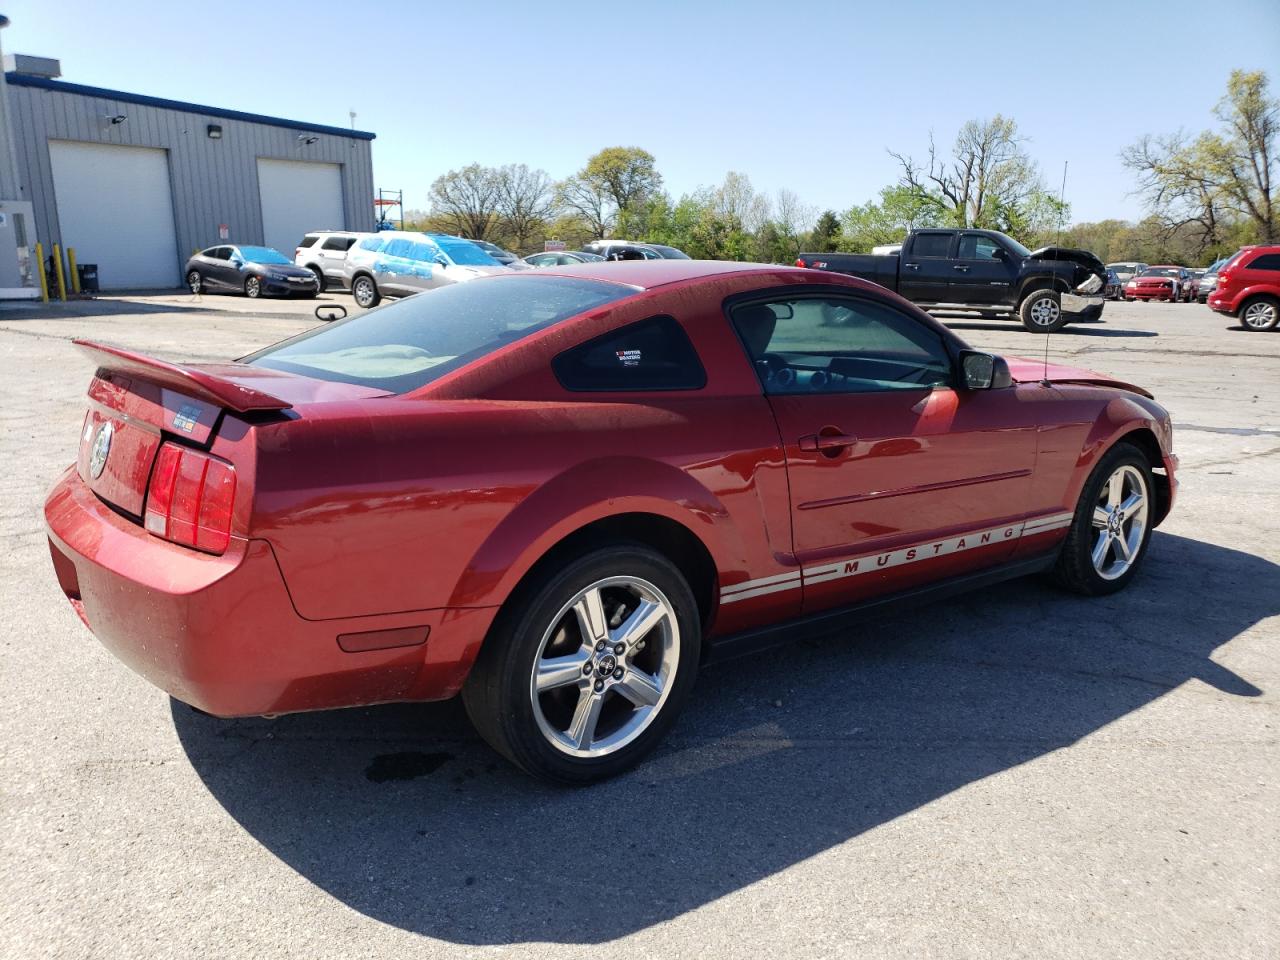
1015, 773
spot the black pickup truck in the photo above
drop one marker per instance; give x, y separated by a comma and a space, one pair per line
983, 271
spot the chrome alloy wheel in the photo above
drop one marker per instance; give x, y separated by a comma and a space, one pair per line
1259, 315
1120, 522
1045, 312
605, 667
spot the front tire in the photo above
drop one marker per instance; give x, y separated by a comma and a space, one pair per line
1107, 540
365, 292
1041, 311
319, 278
1260, 313
588, 666
253, 288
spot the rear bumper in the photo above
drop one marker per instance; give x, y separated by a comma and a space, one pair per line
221, 633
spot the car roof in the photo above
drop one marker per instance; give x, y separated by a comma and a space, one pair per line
647, 274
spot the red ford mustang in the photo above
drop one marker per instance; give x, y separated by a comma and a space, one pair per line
560, 492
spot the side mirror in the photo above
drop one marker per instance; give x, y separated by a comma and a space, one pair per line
999, 254
984, 371
440, 261
237, 262
329, 312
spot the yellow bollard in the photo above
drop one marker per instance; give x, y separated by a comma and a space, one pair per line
57, 272
71, 267
44, 284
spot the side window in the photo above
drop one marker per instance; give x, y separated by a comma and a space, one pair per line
309, 239
215, 253
541, 260
421, 252
935, 245
373, 244
338, 243
839, 345
1268, 261
653, 354
975, 246
398, 248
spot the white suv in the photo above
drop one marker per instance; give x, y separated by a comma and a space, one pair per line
324, 253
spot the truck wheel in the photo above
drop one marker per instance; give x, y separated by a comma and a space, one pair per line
1041, 311
587, 667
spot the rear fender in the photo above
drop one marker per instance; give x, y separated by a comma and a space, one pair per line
585, 493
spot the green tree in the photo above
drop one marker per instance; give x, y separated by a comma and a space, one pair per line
826, 235
1211, 183
899, 211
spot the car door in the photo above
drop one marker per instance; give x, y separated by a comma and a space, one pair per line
333, 255
897, 477
222, 272
392, 267
925, 270
983, 271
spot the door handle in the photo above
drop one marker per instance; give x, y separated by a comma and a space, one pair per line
826, 442
961, 267
912, 266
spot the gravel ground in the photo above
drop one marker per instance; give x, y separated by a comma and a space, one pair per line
1014, 773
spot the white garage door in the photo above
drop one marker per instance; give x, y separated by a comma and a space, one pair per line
297, 198
115, 209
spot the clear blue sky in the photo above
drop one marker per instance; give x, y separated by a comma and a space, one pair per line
804, 95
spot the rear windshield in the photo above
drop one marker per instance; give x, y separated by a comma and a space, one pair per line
402, 346
669, 253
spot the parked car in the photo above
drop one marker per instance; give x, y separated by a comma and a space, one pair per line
1209, 280
607, 475
324, 253
1163, 282
1249, 288
1126, 270
1114, 289
985, 271
253, 271
396, 263
504, 257
1194, 274
631, 250
560, 258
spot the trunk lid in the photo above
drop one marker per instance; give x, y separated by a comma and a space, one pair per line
137, 402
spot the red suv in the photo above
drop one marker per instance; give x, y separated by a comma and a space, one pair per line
1249, 288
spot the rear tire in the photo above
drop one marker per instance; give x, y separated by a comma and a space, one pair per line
1107, 540
1041, 311
1260, 313
365, 292
563, 689
195, 282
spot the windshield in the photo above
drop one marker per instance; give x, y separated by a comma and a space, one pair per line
263, 255
1161, 272
409, 343
464, 252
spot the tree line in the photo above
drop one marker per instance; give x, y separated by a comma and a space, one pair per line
1204, 196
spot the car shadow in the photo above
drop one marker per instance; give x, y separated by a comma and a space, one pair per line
402, 814
1070, 330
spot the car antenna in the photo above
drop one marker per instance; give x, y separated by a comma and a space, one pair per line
1062, 196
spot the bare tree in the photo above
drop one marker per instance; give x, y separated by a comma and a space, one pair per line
793, 216
736, 199
467, 199
988, 169
525, 201
589, 199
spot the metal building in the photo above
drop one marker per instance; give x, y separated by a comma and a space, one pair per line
135, 183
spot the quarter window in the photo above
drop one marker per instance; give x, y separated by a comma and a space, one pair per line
309, 239
654, 354
839, 345
1268, 261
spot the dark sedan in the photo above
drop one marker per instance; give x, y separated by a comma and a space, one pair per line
253, 271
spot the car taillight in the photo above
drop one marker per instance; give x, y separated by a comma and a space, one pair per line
800, 262
190, 498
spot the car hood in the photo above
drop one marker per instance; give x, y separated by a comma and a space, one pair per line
1082, 257
288, 269
1027, 370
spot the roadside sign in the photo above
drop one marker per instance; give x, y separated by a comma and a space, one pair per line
552, 246
224, 232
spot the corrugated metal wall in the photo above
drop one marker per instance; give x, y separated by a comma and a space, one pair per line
213, 181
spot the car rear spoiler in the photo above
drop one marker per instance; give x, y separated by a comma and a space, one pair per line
195, 383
